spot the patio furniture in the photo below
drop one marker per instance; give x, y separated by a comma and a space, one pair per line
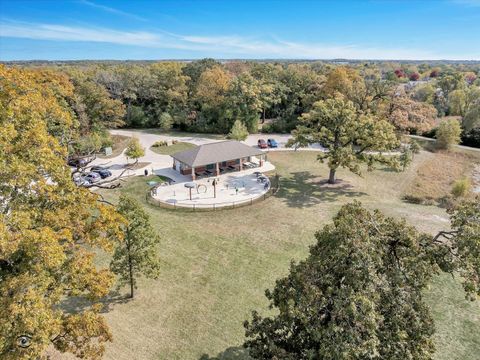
257, 173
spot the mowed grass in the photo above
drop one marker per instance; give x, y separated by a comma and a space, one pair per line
217, 265
172, 149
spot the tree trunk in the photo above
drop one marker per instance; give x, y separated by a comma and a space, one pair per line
263, 116
130, 271
331, 178
131, 278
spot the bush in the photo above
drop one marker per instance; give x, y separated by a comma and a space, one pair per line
165, 121
461, 187
448, 134
239, 131
471, 138
159, 144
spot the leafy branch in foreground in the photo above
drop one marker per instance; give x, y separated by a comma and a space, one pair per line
49, 229
359, 293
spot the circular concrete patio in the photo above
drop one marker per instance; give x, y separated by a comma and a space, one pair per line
233, 189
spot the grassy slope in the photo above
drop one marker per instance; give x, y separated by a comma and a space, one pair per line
216, 266
120, 143
172, 149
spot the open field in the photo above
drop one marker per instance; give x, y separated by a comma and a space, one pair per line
216, 265
436, 175
172, 149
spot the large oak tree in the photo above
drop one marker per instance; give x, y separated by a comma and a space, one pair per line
349, 139
359, 293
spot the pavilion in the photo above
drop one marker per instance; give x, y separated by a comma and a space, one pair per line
216, 158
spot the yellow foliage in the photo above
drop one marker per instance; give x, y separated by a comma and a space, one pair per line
48, 226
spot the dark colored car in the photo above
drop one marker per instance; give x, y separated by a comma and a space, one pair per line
92, 177
272, 143
262, 144
77, 162
103, 172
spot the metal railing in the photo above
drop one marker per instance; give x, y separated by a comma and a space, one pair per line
272, 190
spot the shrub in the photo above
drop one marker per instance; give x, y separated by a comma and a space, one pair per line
448, 134
472, 138
165, 121
461, 187
159, 144
239, 131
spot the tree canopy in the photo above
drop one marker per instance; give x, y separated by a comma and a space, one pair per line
348, 138
49, 229
359, 293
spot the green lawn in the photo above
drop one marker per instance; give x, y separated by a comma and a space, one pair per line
217, 265
172, 149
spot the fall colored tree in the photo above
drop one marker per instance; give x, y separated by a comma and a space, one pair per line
212, 86
134, 149
136, 255
414, 76
49, 229
409, 115
348, 139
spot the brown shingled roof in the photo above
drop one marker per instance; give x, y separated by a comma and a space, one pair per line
215, 153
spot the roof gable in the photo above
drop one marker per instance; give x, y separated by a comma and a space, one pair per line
215, 152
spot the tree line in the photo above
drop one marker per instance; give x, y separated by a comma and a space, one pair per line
210, 96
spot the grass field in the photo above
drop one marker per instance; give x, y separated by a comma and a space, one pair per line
217, 265
172, 149
119, 143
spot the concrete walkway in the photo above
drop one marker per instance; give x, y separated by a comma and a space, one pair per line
155, 163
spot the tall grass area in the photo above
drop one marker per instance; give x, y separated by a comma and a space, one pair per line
217, 265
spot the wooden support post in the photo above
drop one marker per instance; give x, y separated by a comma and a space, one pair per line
241, 165
217, 169
261, 160
193, 173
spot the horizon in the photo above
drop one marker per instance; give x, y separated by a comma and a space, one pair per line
370, 30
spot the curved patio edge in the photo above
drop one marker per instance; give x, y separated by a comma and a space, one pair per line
272, 190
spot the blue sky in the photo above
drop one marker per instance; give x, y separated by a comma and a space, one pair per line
168, 29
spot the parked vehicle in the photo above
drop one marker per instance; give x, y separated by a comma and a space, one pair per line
92, 177
80, 181
262, 144
77, 162
103, 172
272, 143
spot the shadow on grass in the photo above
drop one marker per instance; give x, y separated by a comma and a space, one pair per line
232, 353
78, 304
303, 189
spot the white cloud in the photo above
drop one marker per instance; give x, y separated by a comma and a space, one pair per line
217, 46
112, 10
